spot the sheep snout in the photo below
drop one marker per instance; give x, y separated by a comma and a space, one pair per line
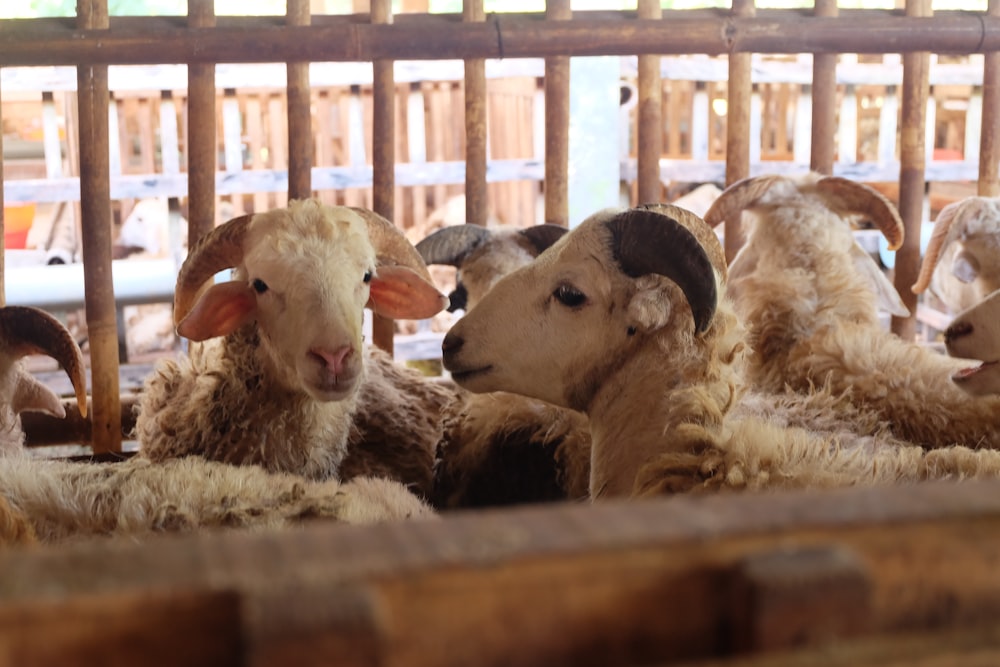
956, 331
332, 360
451, 343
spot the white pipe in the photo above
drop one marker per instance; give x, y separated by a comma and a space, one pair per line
60, 287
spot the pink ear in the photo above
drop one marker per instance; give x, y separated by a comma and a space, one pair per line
401, 293
222, 309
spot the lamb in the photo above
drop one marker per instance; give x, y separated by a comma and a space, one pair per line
276, 380
503, 449
627, 319
803, 286
962, 263
51, 501
975, 334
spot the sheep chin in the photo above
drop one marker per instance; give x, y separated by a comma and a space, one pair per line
981, 380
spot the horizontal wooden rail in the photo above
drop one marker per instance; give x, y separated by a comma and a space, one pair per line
444, 36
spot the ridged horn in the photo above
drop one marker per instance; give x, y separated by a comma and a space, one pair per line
26, 330
705, 235
220, 249
859, 198
390, 243
644, 241
451, 245
543, 236
740, 195
942, 226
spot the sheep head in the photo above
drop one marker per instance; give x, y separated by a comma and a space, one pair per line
555, 329
962, 261
23, 331
975, 334
803, 220
304, 274
483, 256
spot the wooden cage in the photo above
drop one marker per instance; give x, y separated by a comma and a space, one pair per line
887, 576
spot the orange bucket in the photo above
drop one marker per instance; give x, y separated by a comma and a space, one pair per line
17, 221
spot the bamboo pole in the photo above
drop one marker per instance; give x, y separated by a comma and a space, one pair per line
649, 123
383, 152
824, 100
202, 143
989, 147
300, 136
557, 124
738, 136
95, 207
912, 159
476, 196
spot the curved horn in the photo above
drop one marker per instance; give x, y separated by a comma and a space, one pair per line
220, 249
390, 243
544, 235
26, 330
859, 198
451, 245
645, 241
942, 226
740, 195
704, 234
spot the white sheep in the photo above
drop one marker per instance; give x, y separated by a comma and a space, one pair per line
975, 334
962, 263
626, 318
502, 449
276, 381
803, 287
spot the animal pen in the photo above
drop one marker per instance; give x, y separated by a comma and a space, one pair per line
774, 579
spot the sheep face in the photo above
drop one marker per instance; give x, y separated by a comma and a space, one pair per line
975, 334
557, 328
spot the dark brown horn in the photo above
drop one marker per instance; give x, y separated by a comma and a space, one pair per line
740, 195
705, 235
544, 235
451, 245
391, 244
943, 224
645, 241
220, 249
859, 198
26, 330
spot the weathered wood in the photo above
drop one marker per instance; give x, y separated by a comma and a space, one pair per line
383, 152
202, 145
443, 36
95, 204
476, 201
556, 123
300, 133
649, 119
616, 583
824, 95
738, 124
912, 177
989, 146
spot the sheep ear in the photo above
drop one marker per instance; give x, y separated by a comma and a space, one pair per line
221, 309
400, 292
543, 236
645, 241
886, 296
30, 395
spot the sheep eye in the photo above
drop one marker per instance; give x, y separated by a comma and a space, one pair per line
569, 296
368, 276
259, 286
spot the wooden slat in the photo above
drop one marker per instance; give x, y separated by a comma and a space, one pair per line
989, 146
913, 159
824, 95
300, 134
383, 152
476, 201
738, 125
649, 121
557, 124
201, 145
95, 204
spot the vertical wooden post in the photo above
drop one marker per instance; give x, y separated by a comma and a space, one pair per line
300, 136
95, 207
557, 125
912, 162
989, 147
649, 120
824, 95
476, 197
202, 144
738, 125
383, 153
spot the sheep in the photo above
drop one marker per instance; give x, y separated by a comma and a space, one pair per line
975, 334
627, 319
275, 381
804, 288
502, 449
962, 263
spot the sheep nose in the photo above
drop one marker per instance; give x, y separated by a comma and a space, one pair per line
451, 343
957, 330
333, 360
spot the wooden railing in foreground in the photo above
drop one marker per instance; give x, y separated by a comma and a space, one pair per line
848, 577
93, 41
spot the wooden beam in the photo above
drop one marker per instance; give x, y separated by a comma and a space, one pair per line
989, 146
738, 123
476, 131
383, 153
649, 117
202, 144
824, 95
557, 123
299, 96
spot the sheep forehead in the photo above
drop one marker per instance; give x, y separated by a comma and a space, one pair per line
978, 216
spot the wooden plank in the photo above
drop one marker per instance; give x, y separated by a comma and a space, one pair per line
383, 152
557, 124
201, 143
476, 198
738, 125
299, 99
824, 91
649, 124
416, 145
257, 144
